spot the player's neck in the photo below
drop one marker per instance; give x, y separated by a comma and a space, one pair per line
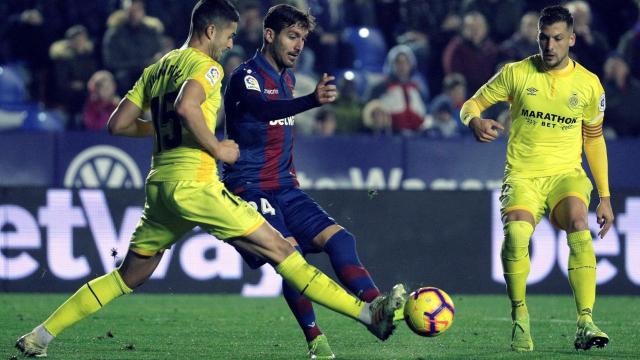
268, 55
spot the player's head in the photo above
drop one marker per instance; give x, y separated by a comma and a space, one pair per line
214, 23
555, 36
285, 30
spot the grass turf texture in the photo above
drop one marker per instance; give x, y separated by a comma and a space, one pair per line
146, 326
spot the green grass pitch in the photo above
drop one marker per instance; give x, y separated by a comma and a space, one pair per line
146, 326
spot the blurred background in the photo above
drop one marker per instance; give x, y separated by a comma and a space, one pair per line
418, 186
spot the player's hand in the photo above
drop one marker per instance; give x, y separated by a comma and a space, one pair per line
227, 151
325, 92
604, 213
485, 130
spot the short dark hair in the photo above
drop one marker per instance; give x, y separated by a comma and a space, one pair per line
207, 12
282, 16
553, 14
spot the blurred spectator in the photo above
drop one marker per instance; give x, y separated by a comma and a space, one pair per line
629, 46
503, 15
523, 43
623, 92
249, 36
401, 92
445, 108
27, 41
449, 28
73, 64
132, 41
472, 54
325, 122
331, 52
591, 46
376, 119
230, 61
348, 108
101, 102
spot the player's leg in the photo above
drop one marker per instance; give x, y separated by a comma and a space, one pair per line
521, 208
311, 282
570, 212
340, 245
317, 231
148, 241
301, 307
228, 217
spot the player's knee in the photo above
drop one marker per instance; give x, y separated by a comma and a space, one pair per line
133, 279
516, 240
577, 224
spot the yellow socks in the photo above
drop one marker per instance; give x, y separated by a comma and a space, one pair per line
582, 271
317, 286
515, 264
87, 300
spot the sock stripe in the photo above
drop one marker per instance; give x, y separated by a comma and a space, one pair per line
582, 267
94, 294
315, 274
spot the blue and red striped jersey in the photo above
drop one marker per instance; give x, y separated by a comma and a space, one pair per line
260, 108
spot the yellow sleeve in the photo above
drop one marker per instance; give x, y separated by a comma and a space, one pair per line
473, 108
209, 74
139, 94
594, 111
595, 147
497, 89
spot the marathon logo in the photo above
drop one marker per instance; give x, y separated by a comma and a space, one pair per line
286, 121
548, 119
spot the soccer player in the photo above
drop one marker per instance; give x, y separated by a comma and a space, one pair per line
260, 109
182, 190
557, 107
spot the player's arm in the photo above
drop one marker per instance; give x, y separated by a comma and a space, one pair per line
125, 121
485, 130
497, 89
188, 107
595, 150
253, 101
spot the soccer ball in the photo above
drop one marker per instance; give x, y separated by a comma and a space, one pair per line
429, 311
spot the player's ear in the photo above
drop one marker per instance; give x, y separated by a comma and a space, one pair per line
269, 35
211, 31
572, 39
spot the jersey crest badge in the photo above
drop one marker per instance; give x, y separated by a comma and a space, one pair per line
213, 75
573, 100
251, 83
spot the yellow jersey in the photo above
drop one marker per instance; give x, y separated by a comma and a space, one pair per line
177, 155
548, 109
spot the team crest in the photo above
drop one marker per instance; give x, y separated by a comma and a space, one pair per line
251, 83
573, 100
213, 75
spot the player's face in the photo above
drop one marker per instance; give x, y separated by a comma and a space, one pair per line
288, 45
554, 41
222, 40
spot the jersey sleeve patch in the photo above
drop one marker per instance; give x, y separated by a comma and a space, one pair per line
602, 103
213, 75
251, 83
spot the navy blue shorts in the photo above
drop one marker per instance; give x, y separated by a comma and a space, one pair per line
292, 212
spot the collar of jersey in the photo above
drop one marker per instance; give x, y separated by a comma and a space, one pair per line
263, 63
567, 70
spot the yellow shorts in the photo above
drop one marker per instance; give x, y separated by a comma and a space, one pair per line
173, 208
537, 195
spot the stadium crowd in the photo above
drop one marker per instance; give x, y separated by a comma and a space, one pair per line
403, 66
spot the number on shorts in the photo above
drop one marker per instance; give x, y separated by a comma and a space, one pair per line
265, 207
